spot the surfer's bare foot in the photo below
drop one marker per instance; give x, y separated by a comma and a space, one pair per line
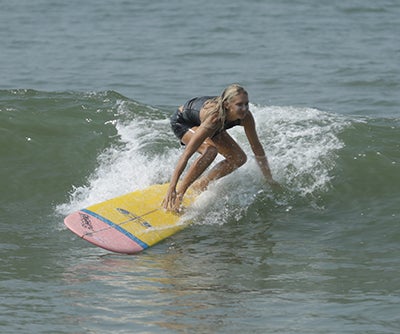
200, 185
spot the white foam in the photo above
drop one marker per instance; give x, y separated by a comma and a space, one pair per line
300, 144
127, 166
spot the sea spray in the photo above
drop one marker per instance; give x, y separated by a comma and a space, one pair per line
301, 146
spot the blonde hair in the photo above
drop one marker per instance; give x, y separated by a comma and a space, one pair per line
216, 105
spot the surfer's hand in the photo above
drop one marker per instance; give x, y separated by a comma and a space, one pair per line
172, 201
274, 185
169, 199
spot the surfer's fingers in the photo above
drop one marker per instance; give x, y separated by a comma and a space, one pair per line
169, 200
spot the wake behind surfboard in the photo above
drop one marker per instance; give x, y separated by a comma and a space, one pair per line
129, 223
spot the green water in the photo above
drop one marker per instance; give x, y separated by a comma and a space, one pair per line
86, 90
326, 248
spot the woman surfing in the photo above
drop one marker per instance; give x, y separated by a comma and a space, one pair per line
201, 125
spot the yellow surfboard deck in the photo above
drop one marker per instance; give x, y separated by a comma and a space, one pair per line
128, 223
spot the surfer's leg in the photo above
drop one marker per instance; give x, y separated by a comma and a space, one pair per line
208, 152
234, 158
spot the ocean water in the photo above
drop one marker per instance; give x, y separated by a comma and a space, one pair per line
86, 91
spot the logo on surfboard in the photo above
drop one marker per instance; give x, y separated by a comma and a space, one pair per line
132, 217
86, 222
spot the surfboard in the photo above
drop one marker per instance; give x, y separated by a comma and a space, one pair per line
129, 223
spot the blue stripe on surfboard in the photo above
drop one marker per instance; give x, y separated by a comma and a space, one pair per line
117, 227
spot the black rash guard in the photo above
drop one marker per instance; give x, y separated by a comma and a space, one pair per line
181, 122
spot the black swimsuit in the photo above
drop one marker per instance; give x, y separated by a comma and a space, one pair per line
189, 117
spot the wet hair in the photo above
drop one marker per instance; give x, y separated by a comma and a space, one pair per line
217, 104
